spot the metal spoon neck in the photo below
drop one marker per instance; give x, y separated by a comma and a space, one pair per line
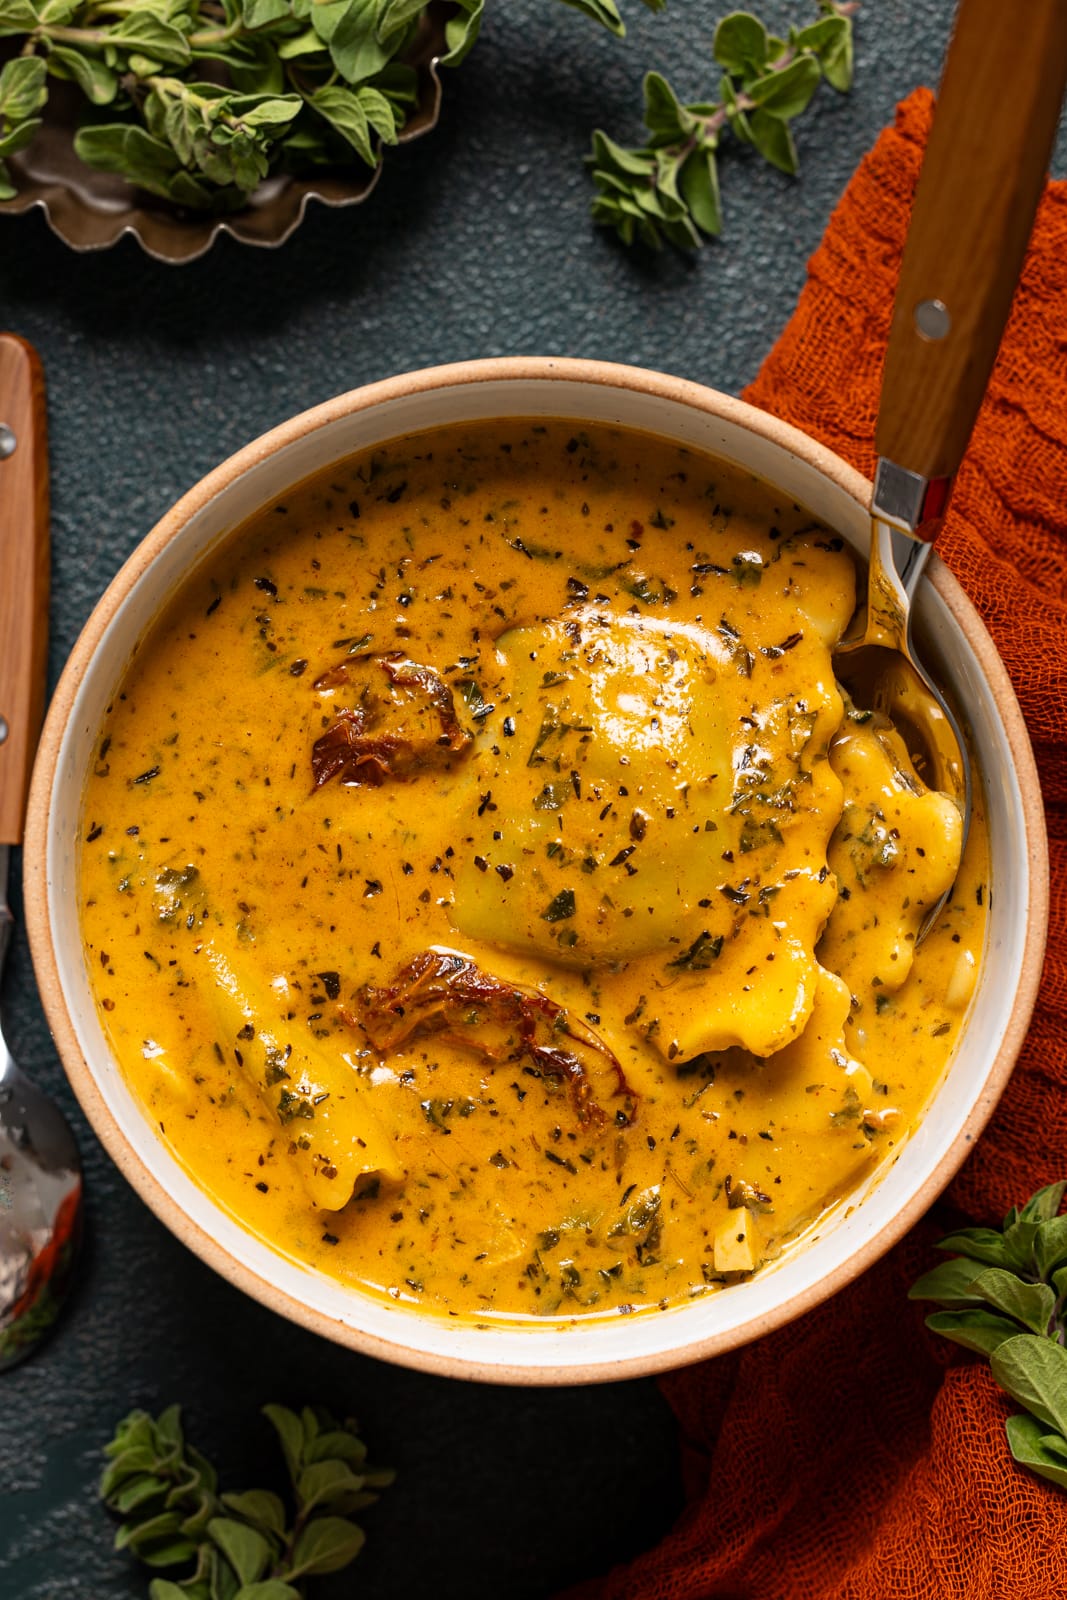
7, 921
8, 1070
910, 558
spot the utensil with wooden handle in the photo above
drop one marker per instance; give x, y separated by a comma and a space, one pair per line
40, 1171
983, 172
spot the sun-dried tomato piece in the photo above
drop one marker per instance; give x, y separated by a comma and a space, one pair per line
441, 992
346, 751
403, 722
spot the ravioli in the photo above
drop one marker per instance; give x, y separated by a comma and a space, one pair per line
526, 925
653, 806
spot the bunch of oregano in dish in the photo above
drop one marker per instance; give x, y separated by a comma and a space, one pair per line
244, 1546
668, 188
199, 100
1004, 1294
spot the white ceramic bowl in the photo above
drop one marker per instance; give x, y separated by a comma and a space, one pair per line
953, 641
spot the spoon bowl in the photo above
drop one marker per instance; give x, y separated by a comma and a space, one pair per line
40, 1173
40, 1207
878, 667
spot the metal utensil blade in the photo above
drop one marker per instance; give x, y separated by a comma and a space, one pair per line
40, 1194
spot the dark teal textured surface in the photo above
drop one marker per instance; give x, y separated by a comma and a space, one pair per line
476, 243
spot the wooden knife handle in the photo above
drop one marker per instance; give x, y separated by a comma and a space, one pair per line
981, 180
23, 574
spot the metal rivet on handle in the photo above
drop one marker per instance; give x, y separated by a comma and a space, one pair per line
932, 320
7, 441
4, 729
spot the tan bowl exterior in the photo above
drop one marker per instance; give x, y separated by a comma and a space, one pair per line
693, 1342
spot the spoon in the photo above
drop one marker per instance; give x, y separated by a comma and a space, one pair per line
981, 180
40, 1172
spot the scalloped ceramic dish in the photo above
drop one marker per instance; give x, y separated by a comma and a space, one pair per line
847, 1240
93, 210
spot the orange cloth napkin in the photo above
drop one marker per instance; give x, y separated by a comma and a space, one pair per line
854, 1454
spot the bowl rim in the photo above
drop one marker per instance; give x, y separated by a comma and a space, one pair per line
36, 872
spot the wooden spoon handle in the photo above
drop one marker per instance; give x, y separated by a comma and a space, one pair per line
980, 183
23, 574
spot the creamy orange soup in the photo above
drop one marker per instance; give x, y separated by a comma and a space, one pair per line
491, 898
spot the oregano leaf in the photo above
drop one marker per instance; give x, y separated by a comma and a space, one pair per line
1033, 1370
608, 154
17, 16
836, 60
699, 186
379, 112
261, 13
23, 90
137, 1491
259, 1507
355, 48
818, 35
286, 1425
143, 30
96, 81
741, 44
1031, 1304
341, 1444
1019, 1244
1045, 1204
605, 12
1033, 1447
326, 1483
461, 31
773, 138
131, 152
786, 93
343, 111
247, 1551
326, 1545
951, 1283
665, 117
980, 1244
1050, 1245
973, 1328
396, 15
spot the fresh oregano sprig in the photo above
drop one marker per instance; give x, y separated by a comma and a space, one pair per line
199, 100
245, 1546
668, 188
1004, 1294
